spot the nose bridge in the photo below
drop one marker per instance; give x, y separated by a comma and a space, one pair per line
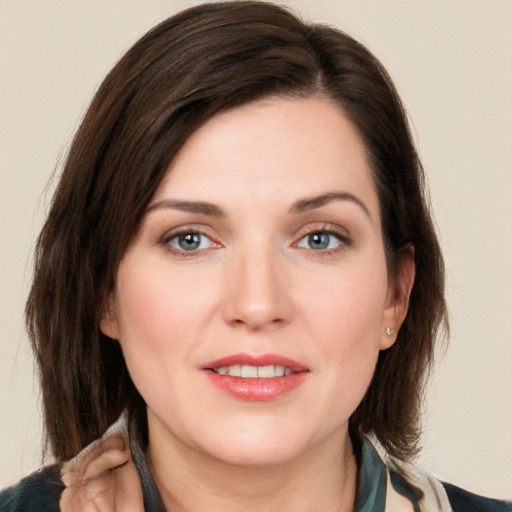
256, 290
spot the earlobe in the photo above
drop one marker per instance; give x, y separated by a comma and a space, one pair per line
398, 298
108, 320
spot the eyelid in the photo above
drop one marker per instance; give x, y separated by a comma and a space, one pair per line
165, 239
340, 233
325, 227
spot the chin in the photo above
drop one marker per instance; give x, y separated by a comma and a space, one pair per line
257, 446
260, 456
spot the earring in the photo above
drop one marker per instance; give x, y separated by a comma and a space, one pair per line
389, 331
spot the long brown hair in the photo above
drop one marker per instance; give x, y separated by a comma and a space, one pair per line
184, 71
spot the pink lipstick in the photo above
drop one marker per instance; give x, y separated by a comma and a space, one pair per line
255, 378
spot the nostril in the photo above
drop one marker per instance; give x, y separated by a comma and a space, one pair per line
253, 324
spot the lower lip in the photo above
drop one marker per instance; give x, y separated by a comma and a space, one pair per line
257, 390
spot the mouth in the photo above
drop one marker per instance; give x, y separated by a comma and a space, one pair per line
256, 378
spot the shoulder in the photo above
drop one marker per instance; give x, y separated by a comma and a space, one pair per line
38, 492
465, 501
428, 493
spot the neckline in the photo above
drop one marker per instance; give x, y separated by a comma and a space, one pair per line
371, 491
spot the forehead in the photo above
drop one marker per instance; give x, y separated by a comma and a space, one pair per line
276, 149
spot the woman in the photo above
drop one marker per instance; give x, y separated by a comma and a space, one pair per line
238, 287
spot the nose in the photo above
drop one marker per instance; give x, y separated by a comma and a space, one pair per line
257, 291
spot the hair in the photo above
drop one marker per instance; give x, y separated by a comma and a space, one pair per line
203, 61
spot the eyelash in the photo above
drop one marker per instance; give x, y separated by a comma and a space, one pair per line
168, 238
344, 241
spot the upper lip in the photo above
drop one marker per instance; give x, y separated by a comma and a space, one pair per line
256, 360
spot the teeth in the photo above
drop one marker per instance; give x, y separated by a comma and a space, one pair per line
266, 371
234, 370
253, 372
250, 372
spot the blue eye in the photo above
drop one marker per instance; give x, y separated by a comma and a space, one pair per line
191, 241
320, 241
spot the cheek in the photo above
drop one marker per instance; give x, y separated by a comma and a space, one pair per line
351, 300
344, 317
157, 322
157, 306
162, 318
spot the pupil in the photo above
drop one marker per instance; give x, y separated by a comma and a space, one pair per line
190, 241
319, 240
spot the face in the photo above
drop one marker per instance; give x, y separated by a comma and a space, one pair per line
253, 302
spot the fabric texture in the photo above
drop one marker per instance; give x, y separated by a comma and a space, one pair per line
385, 485
464, 501
38, 492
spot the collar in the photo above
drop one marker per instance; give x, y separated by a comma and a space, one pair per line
381, 488
384, 484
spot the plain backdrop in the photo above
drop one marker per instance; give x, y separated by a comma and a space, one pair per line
452, 63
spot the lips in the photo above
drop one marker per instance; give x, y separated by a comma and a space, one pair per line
262, 360
255, 378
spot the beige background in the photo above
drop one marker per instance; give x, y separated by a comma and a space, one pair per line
452, 62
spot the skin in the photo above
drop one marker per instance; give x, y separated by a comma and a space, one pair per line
257, 284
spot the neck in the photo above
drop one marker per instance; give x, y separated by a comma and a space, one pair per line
323, 478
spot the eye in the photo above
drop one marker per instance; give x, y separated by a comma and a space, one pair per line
190, 241
321, 241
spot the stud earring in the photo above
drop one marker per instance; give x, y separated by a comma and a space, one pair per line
389, 331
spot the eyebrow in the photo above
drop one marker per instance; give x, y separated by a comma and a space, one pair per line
201, 207
300, 206
311, 203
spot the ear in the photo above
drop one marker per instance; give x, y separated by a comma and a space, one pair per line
397, 301
108, 320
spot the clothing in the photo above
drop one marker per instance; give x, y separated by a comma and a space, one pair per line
385, 485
